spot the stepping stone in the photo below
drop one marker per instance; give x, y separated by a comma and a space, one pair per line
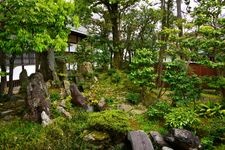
140, 141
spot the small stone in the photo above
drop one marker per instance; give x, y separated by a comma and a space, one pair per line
138, 112
166, 148
125, 107
45, 119
96, 136
102, 104
90, 108
67, 87
64, 112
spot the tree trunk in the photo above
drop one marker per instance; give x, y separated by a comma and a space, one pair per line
22, 62
179, 16
3, 69
37, 61
11, 67
162, 48
61, 67
47, 65
114, 17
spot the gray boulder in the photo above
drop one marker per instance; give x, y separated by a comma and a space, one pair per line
158, 139
183, 139
140, 141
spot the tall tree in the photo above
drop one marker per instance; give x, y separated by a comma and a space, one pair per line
114, 10
44, 29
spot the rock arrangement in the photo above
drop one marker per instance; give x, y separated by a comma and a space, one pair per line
77, 98
37, 99
177, 139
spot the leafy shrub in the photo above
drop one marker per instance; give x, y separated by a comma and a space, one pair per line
207, 143
211, 109
111, 72
185, 88
116, 78
113, 121
181, 118
55, 95
212, 132
133, 98
142, 69
158, 110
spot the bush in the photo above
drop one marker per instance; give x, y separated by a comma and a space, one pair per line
158, 110
111, 72
133, 98
207, 143
112, 121
54, 95
211, 109
181, 118
142, 69
116, 78
184, 88
212, 131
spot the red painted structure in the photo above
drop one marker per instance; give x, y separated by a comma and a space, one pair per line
201, 70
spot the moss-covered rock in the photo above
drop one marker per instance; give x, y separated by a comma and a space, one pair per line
110, 120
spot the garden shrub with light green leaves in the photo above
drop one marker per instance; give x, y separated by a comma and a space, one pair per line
133, 98
182, 117
211, 109
212, 132
142, 69
158, 110
184, 88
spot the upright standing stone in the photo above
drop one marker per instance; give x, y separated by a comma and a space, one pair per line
77, 98
23, 82
37, 98
140, 141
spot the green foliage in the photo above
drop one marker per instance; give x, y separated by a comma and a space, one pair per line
54, 96
142, 68
3, 74
110, 72
185, 88
113, 121
116, 78
158, 110
212, 132
182, 117
34, 25
133, 98
61, 134
149, 125
207, 143
211, 109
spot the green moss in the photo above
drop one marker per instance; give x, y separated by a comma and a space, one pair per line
149, 125
114, 121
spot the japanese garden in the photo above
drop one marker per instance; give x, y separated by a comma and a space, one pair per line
112, 74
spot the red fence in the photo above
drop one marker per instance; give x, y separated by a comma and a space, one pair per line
201, 70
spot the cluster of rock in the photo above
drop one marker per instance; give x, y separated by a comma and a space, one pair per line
177, 139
